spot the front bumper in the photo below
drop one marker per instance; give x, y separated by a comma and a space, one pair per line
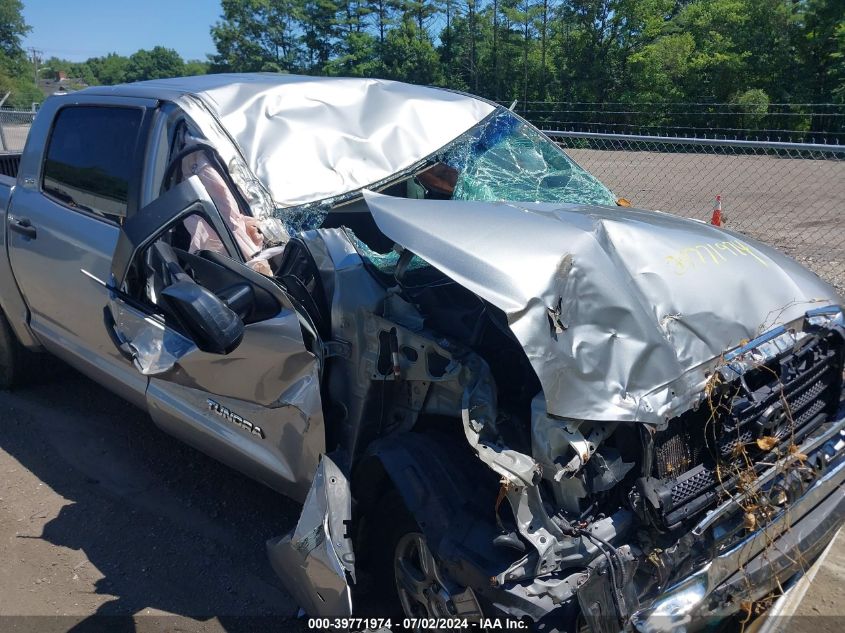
761, 562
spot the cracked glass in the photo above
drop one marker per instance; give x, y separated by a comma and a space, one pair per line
505, 158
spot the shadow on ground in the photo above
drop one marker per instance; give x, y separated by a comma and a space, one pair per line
170, 530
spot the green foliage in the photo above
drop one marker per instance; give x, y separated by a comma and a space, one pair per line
748, 53
12, 29
580, 50
157, 63
821, 50
357, 57
13, 65
114, 69
22, 91
109, 70
255, 35
554, 50
409, 54
195, 67
754, 105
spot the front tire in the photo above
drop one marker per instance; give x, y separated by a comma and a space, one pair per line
408, 577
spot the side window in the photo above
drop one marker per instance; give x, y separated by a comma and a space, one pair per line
90, 158
175, 255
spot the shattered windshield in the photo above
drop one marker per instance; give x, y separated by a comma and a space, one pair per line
502, 158
505, 158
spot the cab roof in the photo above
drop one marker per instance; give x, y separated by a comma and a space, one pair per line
314, 138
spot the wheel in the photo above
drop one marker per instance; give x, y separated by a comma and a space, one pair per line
420, 587
10, 355
410, 581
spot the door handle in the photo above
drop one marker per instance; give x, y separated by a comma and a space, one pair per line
23, 226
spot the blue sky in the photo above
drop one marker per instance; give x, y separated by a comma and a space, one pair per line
79, 29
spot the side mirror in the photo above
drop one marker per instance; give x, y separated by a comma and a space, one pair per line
210, 323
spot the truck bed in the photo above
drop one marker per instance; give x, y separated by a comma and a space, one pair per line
9, 163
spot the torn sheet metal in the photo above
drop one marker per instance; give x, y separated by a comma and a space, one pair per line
562, 446
316, 560
311, 138
253, 190
478, 414
155, 348
270, 367
611, 276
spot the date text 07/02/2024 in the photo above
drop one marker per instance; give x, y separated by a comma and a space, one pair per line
416, 624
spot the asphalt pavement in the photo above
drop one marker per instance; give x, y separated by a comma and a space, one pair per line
108, 524
102, 514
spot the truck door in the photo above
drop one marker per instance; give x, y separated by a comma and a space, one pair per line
222, 345
65, 217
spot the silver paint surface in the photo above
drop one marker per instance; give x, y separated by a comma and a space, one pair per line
270, 379
620, 311
310, 138
155, 348
314, 559
47, 269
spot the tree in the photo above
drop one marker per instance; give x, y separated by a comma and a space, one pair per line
409, 54
588, 51
15, 75
359, 56
13, 28
255, 35
195, 67
821, 49
382, 12
522, 13
463, 40
109, 70
545, 9
753, 105
662, 68
447, 7
321, 26
157, 63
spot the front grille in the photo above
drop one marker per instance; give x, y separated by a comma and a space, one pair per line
698, 455
676, 452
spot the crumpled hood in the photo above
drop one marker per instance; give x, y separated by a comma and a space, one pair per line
614, 307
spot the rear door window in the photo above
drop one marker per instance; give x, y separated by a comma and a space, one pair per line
91, 158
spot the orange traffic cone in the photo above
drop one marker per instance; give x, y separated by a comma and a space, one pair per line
716, 218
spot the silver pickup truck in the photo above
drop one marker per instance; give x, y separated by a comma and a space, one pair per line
496, 392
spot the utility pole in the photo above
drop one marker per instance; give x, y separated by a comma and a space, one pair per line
36, 58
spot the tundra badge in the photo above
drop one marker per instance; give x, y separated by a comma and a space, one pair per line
234, 418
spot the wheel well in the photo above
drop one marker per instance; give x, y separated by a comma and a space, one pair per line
371, 487
448, 491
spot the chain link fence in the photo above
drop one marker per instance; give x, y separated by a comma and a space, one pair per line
762, 121
790, 195
14, 126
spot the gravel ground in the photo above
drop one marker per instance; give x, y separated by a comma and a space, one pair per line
797, 205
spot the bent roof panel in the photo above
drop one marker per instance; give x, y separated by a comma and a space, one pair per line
310, 138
